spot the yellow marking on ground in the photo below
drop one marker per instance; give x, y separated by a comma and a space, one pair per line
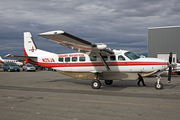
95, 101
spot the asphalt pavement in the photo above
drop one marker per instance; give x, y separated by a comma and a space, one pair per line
49, 95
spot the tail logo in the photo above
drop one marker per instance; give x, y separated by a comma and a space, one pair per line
32, 50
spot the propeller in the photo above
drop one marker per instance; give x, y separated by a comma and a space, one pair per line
170, 68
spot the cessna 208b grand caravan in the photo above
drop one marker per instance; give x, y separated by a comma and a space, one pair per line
93, 61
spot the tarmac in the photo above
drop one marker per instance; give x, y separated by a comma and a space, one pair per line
49, 95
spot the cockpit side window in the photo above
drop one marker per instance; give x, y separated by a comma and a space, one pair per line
93, 58
112, 58
131, 56
121, 58
105, 58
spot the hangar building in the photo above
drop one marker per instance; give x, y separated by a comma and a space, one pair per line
162, 41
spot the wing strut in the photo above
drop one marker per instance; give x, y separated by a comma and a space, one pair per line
104, 62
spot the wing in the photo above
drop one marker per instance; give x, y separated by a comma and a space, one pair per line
76, 43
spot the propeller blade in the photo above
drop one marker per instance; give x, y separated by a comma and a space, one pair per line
169, 74
170, 69
170, 57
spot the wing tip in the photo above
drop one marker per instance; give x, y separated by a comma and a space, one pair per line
51, 33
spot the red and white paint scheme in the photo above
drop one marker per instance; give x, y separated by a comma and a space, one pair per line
9, 60
93, 61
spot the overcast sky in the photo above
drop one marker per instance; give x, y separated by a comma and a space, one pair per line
121, 24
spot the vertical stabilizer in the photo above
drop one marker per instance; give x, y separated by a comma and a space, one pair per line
29, 45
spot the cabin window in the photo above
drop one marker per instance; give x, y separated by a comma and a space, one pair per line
121, 58
61, 59
67, 59
93, 58
82, 59
74, 59
131, 56
112, 58
105, 58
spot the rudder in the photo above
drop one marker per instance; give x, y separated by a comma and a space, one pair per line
29, 44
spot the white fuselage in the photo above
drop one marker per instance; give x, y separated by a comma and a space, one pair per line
79, 62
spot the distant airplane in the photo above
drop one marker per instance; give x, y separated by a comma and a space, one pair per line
9, 60
94, 61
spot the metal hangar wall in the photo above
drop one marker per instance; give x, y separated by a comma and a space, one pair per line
162, 40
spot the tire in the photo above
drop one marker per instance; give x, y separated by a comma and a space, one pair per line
95, 84
18, 70
108, 82
158, 86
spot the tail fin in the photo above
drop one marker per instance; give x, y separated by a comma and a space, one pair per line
29, 45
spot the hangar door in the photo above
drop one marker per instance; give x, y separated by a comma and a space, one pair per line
166, 56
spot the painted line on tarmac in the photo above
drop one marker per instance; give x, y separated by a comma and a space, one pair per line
94, 101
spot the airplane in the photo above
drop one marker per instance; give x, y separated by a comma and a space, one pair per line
9, 60
94, 62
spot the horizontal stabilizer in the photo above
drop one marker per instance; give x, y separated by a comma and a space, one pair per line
19, 57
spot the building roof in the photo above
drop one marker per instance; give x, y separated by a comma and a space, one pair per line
163, 27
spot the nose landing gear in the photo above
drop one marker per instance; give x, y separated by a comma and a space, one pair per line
158, 85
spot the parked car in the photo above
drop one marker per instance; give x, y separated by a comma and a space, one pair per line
9, 66
29, 67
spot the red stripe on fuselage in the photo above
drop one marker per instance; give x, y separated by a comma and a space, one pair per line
96, 64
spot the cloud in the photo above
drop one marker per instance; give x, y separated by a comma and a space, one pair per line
123, 22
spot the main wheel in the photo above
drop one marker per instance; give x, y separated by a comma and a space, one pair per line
158, 86
95, 84
108, 82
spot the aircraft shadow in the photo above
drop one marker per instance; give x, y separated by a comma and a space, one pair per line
117, 85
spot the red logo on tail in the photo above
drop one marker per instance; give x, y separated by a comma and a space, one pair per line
32, 50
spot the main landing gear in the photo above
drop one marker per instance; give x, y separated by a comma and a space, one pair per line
158, 85
96, 84
108, 82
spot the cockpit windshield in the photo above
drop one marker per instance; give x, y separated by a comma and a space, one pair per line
131, 56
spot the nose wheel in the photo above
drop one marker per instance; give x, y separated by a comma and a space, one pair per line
158, 85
